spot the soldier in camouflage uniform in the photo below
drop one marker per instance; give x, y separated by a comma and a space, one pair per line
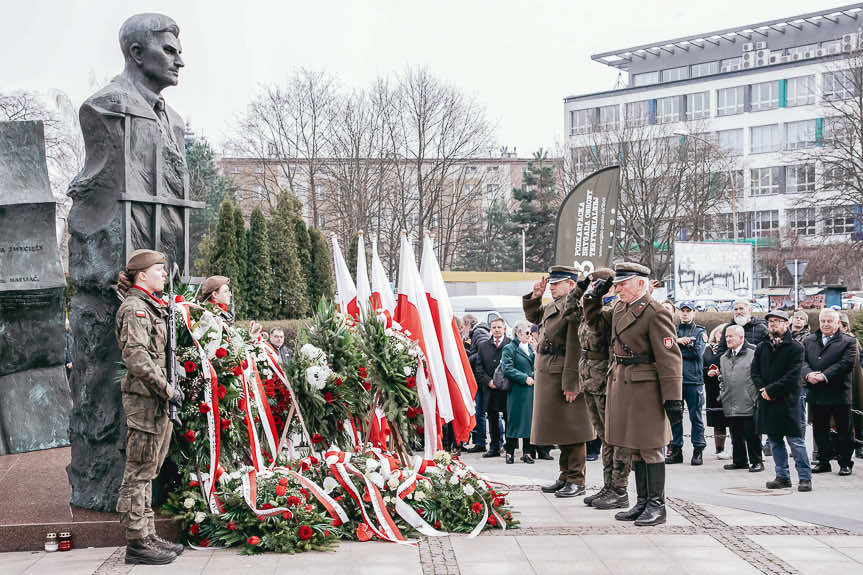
142, 334
595, 338
217, 291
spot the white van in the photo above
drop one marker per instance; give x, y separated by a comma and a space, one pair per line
488, 307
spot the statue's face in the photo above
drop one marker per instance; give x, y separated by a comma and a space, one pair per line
160, 59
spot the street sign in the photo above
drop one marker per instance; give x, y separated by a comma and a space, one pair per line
800, 267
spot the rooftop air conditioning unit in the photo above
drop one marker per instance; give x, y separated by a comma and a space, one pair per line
820, 52
833, 49
850, 42
748, 60
796, 56
760, 45
775, 58
762, 53
809, 54
785, 59
748, 47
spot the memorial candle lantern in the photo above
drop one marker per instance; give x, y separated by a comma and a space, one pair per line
65, 543
51, 542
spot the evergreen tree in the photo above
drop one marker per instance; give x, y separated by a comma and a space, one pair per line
491, 247
203, 264
536, 211
321, 268
240, 285
206, 185
224, 260
259, 277
304, 255
352, 254
289, 287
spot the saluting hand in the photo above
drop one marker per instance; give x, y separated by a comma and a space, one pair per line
539, 287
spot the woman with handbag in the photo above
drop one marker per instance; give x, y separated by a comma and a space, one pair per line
516, 368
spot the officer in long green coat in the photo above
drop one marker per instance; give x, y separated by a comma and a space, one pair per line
516, 364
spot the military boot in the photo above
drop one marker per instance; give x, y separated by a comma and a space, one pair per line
675, 456
615, 498
143, 552
697, 458
632, 514
591, 498
165, 544
654, 512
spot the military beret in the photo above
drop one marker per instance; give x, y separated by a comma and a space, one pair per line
212, 284
626, 270
603, 273
777, 313
560, 273
800, 313
142, 259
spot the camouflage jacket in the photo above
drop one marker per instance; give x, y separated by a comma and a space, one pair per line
595, 338
142, 328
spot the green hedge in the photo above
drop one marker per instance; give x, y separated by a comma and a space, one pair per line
291, 327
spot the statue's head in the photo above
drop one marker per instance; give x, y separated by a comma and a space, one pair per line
151, 47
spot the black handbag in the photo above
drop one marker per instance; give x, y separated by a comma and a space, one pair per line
500, 381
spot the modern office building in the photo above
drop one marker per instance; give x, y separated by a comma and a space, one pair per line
757, 93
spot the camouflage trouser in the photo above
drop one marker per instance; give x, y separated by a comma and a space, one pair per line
145, 453
615, 460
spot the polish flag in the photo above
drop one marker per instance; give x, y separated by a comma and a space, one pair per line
412, 312
344, 283
459, 375
364, 291
382, 294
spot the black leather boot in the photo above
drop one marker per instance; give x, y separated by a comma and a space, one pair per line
676, 455
143, 552
697, 458
570, 490
654, 512
640, 489
615, 498
165, 544
553, 487
591, 498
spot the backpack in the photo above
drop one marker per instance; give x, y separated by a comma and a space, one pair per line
500, 381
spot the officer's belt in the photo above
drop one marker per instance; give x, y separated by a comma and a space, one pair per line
634, 359
548, 349
588, 354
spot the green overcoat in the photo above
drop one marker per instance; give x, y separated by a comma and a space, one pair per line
517, 366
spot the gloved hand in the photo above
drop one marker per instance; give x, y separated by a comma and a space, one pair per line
599, 288
583, 283
674, 411
177, 396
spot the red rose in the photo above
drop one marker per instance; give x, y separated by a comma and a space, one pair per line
293, 500
313, 459
305, 532
509, 516
411, 412
420, 429
194, 528
338, 381
327, 533
241, 405
340, 425
237, 370
304, 493
189, 436
287, 514
204, 408
492, 521
283, 480
245, 364
421, 511
476, 507
281, 490
411, 382
221, 391
231, 526
498, 501
254, 540
362, 372
363, 532
204, 542
309, 508
267, 506
328, 397
225, 423
437, 524
317, 438
262, 518
179, 299
367, 386
190, 367
221, 352
193, 483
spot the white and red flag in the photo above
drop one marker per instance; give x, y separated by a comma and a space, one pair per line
382, 294
459, 375
412, 312
364, 291
344, 283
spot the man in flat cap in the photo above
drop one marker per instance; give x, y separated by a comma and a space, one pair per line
645, 388
142, 330
559, 409
595, 339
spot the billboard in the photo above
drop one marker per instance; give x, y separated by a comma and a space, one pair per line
712, 270
585, 222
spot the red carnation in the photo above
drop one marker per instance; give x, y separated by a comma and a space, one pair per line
492, 521
225, 424
340, 425
498, 501
231, 525
221, 352
204, 543
304, 493
367, 386
305, 532
254, 540
189, 435
221, 391
237, 370
411, 382
283, 480
204, 408
476, 507
437, 524
287, 514
309, 508
194, 528
420, 429
241, 405
179, 299
421, 511
193, 483
317, 438
245, 364
411, 412
262, 517
190, 367
293, 500
327, 533
328, 397
267, 506
281, 490
362, 372
338, 381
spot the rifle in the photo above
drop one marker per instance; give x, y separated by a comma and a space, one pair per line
171, 351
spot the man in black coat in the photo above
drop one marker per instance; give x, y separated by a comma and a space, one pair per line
476, 334
776, 374
827, 374
487, 360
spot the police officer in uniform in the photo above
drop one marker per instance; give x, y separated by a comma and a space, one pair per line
595, 338
559, 409
142, 334
646, 385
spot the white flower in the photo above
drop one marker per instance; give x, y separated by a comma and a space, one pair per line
388, 499
419, 495
468, 489
188, 503
330, 484
433, 471
407, 370
410, 496
200, 516
313, 353
372, 464
389, 333
442, 458
317, 376
400, 348
453, 480
376, 478
412, 351
393, 481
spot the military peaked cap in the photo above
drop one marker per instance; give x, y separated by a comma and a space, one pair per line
602, 273
626, 270
212, 284
560, 273
142, 259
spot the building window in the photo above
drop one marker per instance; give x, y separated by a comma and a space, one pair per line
582, 121
838, 85
730, 101
800, 178
637, 113
765, 96
668, 110
673, 74
802, 221
698, 105
236, 170
723, 225
800, 91
491, 192
765, 224
764, 181
836, 177
721, 184
259, 169
799, 135
583, 159
609, 118
765, 139
645, 79
470, 169
838, 220
730, 141
704, 69
492, 168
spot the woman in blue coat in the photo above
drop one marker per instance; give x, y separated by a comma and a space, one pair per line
516, 364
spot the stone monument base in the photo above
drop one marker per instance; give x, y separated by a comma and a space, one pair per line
34, 500
34, 413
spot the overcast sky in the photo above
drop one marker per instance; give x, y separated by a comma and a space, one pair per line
518, 58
